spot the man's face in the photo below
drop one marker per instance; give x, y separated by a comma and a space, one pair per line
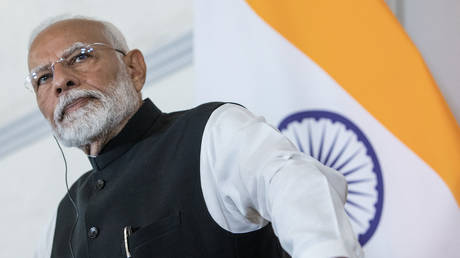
80, 106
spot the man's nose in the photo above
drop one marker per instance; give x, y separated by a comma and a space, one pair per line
63, 78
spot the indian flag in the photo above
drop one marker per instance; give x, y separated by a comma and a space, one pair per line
345, 83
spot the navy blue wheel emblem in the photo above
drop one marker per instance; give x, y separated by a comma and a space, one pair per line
337, 142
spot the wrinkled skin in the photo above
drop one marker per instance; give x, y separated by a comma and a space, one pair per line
49, 45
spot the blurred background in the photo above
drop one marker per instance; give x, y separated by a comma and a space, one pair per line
31, 167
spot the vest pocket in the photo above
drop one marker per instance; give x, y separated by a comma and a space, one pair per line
157, 238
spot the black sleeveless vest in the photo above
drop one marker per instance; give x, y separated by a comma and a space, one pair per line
148, 178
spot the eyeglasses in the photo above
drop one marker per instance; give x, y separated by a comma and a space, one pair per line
77, 58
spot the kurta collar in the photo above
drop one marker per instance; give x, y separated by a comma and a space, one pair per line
133, 131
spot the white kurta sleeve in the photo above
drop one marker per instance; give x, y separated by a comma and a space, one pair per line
252, 174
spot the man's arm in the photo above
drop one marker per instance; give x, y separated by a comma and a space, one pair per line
251, 174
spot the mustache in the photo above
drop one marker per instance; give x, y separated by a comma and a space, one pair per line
70, 97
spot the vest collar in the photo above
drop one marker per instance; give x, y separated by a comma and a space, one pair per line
133, 131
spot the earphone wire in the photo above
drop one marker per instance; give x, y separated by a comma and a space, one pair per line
77, 212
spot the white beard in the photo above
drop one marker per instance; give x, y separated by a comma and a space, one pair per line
99, 117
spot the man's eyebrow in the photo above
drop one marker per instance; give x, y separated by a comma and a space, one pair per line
40, 68
65, 53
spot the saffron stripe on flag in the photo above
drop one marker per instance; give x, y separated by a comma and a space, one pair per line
393, 83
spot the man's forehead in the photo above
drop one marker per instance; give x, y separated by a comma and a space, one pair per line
57, 38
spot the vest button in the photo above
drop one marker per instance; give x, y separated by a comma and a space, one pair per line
93, 232
100, 184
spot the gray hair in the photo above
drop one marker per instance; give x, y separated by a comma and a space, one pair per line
112, 33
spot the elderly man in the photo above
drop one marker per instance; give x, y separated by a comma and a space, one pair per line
213, 181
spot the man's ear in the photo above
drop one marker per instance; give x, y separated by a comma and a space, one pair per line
134, 60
